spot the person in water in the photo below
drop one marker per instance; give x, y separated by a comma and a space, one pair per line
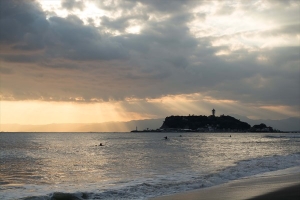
166, 138
100, 144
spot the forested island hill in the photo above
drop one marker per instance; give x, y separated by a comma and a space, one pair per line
212, 123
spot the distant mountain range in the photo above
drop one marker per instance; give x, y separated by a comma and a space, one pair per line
289, 124
95, 127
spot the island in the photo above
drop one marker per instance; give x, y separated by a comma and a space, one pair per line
212, 123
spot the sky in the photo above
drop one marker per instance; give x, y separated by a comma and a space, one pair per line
92, 61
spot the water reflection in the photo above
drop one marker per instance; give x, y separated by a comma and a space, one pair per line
17, 164
44, 158
76, 158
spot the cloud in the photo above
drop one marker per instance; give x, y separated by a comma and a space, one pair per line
4, 70
76, 41
245, 52
22, 24
72, 4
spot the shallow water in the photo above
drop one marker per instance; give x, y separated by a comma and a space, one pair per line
135, 165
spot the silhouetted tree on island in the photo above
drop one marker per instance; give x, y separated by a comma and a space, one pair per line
261, 128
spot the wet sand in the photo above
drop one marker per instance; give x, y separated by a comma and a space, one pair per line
274, 186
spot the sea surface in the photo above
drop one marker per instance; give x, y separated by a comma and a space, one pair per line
135, 165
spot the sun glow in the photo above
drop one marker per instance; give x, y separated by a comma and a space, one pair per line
41, 112
80, 113
133, 29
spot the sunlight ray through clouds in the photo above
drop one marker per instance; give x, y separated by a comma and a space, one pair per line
74, 61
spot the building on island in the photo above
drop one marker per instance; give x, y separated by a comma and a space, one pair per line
213, 112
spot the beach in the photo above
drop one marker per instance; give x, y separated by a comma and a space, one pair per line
283, 184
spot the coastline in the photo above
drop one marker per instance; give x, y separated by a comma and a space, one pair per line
281, 184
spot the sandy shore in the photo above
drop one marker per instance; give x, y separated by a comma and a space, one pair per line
282, 185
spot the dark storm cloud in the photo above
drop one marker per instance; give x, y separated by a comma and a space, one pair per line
117, 24
76, 41
164, 58
69, 38
26, 28
22, 24
21, 58
121, 23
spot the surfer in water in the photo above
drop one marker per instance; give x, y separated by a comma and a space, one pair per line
166, 138
101, 144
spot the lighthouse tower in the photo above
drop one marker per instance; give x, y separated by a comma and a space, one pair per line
213, 112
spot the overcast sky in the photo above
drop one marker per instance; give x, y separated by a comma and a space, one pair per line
134, 59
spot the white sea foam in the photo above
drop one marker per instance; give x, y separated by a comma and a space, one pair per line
161, 185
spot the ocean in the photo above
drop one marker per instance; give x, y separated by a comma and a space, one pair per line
135, 165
